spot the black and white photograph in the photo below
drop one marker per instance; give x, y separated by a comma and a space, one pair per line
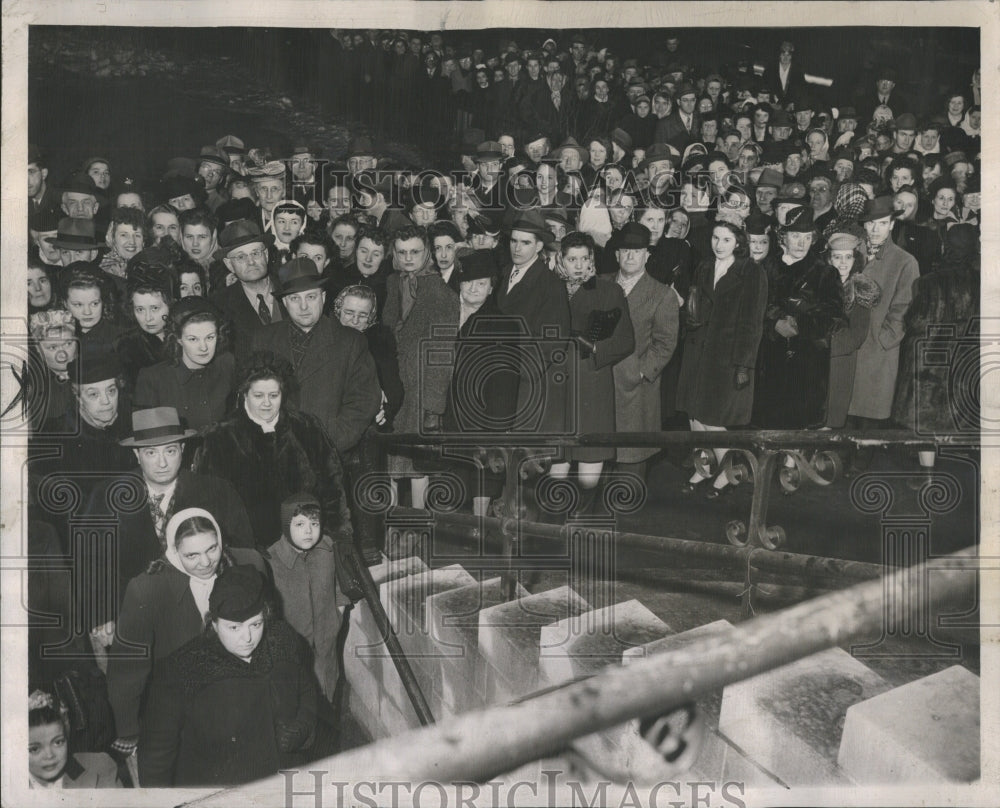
481, 404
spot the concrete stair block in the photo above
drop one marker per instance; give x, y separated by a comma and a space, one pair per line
789, 720
405, 603
453, 619
926, 731
509, 637
390, 569
578, 646
710, 704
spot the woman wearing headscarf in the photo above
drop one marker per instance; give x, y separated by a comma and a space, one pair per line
235, 704
54, 339
164, 608
805, 303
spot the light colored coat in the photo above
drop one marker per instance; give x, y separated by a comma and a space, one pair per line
654, 312
895, 271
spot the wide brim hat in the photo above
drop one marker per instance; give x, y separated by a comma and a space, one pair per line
173, 187
570, 144
558, 214
238, 234
622, 138
532, 221
75, 234
45, 220
878, 208
298, 275
213, 154
658, 152
634, 236
757, 223
155, 427
80, 183
488, 151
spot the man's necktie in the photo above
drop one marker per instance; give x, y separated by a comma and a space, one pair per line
263, 310
159, 518
513, 278
556, 99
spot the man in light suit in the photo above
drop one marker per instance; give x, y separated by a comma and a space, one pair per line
335, 371
653, 308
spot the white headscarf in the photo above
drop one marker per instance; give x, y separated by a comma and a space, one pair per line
201, 588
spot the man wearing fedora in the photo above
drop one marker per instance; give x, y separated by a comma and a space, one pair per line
884, 93
155, 491
79, 197
303, 164
335, 371
235, 150
76, 240
213, 166
528, 289
653, 309
895, 271
250, 304
683, 125
486, 186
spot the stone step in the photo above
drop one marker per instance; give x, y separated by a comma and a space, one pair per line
790, 720
453, 619
584, 644
926, 731
509, 641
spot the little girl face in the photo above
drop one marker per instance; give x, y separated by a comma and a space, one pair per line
48, 751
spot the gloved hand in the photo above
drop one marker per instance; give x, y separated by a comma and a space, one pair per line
741, 378
787, 327
584, 345
291, 736
432, 421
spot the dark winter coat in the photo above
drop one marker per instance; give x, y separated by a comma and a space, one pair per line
136, 350
724, 330
267, 467
480, 353
385, 352
244, 321
138, 544
337, 379
158, 616
593, 407
540, 299
425, 387
792, 372
934, 395
201, 396
212, 719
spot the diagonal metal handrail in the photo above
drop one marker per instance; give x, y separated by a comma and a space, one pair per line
459, 750
371, 595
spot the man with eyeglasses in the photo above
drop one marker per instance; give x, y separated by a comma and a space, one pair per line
250, 303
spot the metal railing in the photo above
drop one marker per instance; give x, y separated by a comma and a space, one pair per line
459, 750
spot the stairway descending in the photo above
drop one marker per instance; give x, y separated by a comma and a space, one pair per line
827, 719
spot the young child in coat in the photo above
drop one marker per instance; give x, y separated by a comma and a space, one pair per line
304, 564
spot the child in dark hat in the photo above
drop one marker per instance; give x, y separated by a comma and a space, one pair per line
304, 565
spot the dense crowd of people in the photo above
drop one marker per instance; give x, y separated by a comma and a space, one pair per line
621, 245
